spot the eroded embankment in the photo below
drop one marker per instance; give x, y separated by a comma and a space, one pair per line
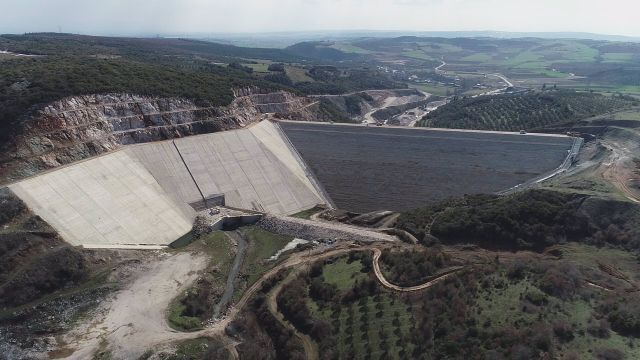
79, 127
320, 231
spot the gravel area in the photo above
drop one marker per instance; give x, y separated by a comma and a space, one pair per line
319, 231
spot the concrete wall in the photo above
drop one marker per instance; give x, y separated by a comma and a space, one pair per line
254, 169
109, 200
140, 195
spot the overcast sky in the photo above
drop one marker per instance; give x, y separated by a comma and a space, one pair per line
135, 17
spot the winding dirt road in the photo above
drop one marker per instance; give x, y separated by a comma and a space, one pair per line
376, 268
616, 173
310, 346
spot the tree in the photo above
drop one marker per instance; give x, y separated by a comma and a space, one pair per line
276, 67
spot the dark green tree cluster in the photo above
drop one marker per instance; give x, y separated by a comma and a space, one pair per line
276, 67
409, 268
529, 220
334, 80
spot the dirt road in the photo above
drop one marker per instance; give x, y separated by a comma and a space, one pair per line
503, 78
368, 117
135, 319
376, 268
310, 347
617, 170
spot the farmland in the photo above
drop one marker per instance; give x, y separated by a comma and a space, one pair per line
366, 169
570, 63
531, 110
365, 321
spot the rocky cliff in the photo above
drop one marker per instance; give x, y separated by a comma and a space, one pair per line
79, 127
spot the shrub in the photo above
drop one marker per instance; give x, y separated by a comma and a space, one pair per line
409, 268
238, 66
10, 206
609, 354
53, 271
277, 67
279, 78
598, 328
623, 313
563, 331
536, 297
561, 281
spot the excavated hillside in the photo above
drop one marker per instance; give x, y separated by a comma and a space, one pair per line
79, 127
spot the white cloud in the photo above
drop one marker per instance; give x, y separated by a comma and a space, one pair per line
183, 16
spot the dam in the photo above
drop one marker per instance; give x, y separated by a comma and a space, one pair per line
148, 194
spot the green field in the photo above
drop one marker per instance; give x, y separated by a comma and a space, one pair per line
297, 74
504, 307
342, 274
262, 245
418, 54
617, 57
259, 67
478, 58
439, 47
625, 115
349, 48
378, 326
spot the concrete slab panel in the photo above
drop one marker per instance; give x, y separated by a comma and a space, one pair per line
253, 167
111, 200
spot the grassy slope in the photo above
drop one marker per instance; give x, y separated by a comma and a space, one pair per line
220, 249
306, 214
503, 307
262, 245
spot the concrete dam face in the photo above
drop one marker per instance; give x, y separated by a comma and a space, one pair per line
147, 194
